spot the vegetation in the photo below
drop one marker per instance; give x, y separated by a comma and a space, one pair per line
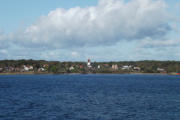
41, 66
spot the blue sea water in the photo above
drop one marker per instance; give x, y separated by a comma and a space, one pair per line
89, 97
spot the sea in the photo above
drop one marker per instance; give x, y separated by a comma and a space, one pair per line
89, 97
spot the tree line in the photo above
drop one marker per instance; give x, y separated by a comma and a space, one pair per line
147, 66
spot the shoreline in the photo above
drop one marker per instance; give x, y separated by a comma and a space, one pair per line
46, 73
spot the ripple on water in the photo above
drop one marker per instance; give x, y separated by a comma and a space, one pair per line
89, 97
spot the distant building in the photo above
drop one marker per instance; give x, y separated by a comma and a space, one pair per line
11, 69
41, 70
99, 67
27, 68
137, 68
81, 66
17, 69
45, 66
30, 67
115, 67
71, 68
89, 63
126, 67
1, 69
161, 70
6, 69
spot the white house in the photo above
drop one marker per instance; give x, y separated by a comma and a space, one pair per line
27, 68
41, 69
31, 68
71, 68
126, 67
99, 67
137, 68
160, 69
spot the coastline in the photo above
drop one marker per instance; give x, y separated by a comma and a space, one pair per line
23, 73
46, 73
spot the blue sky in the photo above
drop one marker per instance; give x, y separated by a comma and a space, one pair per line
103, 30
20, 13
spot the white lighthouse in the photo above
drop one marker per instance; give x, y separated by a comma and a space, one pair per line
89, 63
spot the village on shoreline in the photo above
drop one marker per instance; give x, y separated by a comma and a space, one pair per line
13, 67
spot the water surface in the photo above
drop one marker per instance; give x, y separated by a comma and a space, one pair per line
89, 97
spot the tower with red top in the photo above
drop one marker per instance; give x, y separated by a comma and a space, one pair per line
89, 63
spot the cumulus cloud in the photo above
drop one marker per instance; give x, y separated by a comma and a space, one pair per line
111, 30
105, 24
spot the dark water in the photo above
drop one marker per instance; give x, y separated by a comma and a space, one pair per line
89, 97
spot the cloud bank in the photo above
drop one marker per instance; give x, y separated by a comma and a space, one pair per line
111, 24
105, 24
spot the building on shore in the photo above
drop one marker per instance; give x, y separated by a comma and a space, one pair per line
161, 70
41, 69
71, 68
89, 63
99, 67
1, 69
136, 68
115, 67
126, 67
28, 68
81, 66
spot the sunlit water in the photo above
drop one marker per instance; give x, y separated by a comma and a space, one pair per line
89, 97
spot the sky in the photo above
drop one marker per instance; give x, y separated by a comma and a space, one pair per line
102, 30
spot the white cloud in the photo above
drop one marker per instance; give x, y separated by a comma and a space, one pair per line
105, 24
112, 30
